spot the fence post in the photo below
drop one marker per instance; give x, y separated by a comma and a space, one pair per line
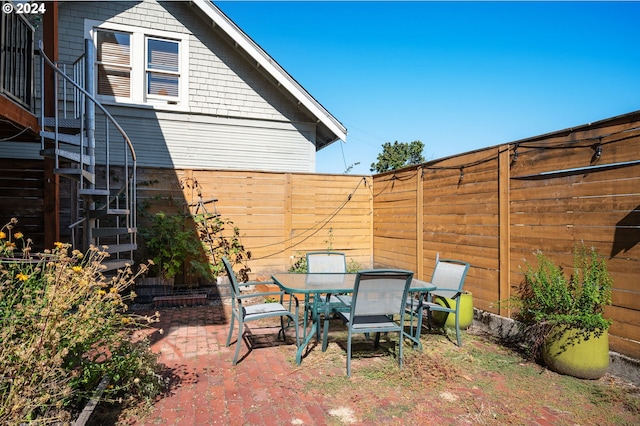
504, 221
419, 223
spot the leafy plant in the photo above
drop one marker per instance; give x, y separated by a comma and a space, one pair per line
546, 297
221, 238
300, 266
172, 245
64, 326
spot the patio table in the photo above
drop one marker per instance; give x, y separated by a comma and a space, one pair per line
327, 283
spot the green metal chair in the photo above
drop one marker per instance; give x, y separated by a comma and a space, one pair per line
326, 262
243, 314
448, 277
379, 297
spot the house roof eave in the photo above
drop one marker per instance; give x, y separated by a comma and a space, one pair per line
263, 60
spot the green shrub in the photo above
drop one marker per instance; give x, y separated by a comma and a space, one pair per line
547, 298
64, 325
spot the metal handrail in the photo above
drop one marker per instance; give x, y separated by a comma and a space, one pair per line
95, 101
130, 191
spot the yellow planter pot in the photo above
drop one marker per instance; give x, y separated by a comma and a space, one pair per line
567, 352
449, 320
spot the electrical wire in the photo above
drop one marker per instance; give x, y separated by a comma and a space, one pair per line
320, 224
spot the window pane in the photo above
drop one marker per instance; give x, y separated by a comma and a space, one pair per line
162, 55
162, 84
114, 57
114, 81
114, 48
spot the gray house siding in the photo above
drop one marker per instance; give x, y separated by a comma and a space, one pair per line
234, 117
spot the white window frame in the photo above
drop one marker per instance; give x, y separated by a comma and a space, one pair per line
138, 90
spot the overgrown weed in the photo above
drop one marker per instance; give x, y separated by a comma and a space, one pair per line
65, 326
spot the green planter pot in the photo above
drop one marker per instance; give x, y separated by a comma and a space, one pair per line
449, 320
566, 352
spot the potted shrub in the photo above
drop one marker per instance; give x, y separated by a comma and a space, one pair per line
564, 316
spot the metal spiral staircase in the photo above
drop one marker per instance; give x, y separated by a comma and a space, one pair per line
91, 148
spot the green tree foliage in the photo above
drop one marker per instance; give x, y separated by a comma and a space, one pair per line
397, 155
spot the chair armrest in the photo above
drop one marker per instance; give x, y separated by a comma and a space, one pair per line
247, 283
449, 294
267, 293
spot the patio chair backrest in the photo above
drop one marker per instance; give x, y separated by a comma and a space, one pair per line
326, 262
380, 292
449, 274
235, 288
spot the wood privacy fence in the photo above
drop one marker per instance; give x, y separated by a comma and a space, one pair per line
495, 207
281, 216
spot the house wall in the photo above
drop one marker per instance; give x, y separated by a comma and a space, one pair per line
235, 117
486, 209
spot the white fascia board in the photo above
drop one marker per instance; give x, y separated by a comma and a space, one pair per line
265, 61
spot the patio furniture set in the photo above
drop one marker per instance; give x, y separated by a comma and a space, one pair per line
369, 301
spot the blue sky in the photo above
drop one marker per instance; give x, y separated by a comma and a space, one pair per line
457, 76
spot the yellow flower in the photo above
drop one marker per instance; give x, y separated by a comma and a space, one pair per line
2, 235
10, 245
113, 290
58, 245
22, 277
18, 235
77, 269
102, 292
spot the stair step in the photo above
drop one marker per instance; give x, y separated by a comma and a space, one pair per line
87, 191
108, 212
77, 140
75, 173
66, 123
116, 264
121, 248
111, 232
73, 156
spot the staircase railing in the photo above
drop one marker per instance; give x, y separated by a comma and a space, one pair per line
82, 109
16, 66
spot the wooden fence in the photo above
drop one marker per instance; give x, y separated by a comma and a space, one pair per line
280, 215
496, 207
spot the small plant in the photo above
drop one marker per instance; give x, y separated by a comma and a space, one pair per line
64, 326
300, 265
221, 238
547, 298
172, 246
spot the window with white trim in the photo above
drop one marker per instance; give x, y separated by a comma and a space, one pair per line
140, 66
113, 60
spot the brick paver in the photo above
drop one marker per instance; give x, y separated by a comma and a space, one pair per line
208, 389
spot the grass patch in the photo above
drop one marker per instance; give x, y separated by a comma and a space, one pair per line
481, 382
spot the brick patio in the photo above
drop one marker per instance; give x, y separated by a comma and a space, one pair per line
267, 387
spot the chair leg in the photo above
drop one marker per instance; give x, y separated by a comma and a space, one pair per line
297, 326
325, 335
349, 355
458, 325
400, 349
419, 313
230, 329
284, 338
240, 331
